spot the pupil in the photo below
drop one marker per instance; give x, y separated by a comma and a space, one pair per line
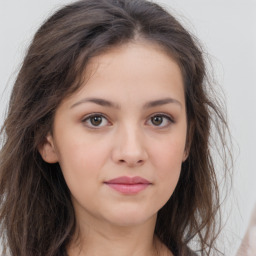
96, 120
157, 120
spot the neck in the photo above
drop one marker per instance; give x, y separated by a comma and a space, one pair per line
97, 239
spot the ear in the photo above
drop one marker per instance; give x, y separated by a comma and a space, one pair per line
47, 150
185, 155
190, 134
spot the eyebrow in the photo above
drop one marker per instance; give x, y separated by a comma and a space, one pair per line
161, 102
98, 101
107, 103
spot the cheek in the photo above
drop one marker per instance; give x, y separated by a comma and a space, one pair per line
80, 151
80, 163
81, 167
168, 159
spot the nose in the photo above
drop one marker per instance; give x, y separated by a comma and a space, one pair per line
129, 147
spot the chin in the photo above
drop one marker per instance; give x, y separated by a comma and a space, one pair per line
129, 218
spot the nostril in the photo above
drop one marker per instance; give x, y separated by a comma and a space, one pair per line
132, 163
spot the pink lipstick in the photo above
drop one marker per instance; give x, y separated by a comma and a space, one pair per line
128, 185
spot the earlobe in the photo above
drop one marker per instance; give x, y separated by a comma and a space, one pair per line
47, 150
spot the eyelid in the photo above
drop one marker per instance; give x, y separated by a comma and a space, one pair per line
87, 117
169, 118
164, 115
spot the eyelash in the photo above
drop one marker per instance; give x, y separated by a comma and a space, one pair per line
88, 120
168, 118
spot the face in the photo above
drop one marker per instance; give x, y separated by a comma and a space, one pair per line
120, 140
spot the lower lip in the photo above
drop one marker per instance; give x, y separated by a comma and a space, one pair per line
128, 188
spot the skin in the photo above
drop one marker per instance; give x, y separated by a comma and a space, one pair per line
139, 129
248, 245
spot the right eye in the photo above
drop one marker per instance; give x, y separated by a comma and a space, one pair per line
95, 121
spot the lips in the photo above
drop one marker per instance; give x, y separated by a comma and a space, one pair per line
128, 185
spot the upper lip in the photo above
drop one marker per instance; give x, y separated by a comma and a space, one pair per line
128, 180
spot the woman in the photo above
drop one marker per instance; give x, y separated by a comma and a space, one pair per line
107, 138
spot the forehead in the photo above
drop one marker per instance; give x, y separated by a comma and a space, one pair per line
135, 69
133, 52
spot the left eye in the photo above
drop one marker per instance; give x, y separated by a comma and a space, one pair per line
160, 120
95, 121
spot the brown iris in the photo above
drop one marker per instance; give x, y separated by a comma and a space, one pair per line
96, 120
157, 120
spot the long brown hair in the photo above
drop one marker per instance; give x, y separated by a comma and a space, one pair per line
36, 213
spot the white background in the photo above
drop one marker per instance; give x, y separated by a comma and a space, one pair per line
227, 29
